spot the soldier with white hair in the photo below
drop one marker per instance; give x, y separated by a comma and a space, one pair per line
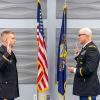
86, 83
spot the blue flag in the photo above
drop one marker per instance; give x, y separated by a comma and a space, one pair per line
61, 60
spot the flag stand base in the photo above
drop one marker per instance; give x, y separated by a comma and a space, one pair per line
43, 96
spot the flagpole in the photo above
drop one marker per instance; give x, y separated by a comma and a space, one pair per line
65, 24
37, 95
38, 1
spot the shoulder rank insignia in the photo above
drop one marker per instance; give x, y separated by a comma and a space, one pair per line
92, 46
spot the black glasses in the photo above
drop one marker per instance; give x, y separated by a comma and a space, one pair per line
81, 34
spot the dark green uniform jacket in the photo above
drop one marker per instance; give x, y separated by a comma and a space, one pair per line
86, 81
8, 74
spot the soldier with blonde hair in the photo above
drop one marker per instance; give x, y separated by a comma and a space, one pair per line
8, 71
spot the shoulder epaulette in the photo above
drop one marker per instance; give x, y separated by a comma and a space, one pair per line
92, 46
6, 58
81, 72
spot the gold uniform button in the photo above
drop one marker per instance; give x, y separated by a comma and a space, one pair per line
81, 62
6, 82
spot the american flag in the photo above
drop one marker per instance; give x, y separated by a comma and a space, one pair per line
42, 78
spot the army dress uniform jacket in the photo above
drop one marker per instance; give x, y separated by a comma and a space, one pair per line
8, 74
86, 81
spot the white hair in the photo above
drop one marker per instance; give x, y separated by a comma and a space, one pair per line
86, 31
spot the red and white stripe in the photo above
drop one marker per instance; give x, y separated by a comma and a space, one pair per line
42, 79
